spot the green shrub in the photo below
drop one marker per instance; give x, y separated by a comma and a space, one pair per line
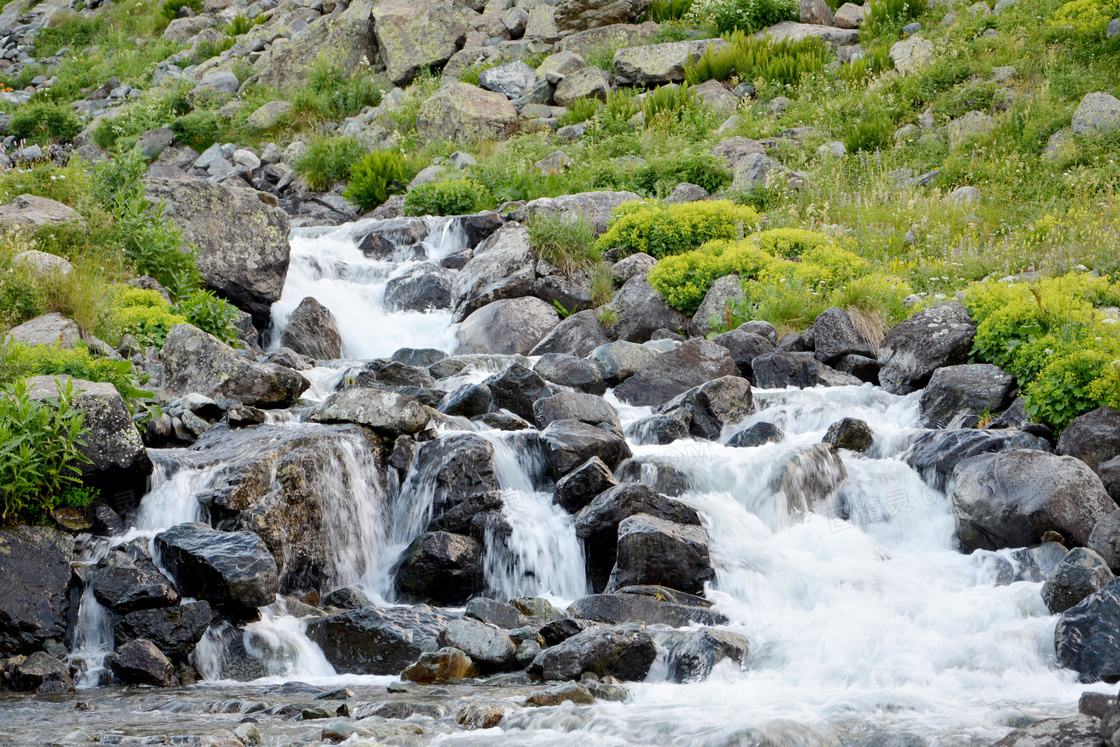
200, 129
564, 241
873, 62
661, 11
785, 301
871, 132
207, 49
448, 197
1085, 16
39, 452
749, 58
329, 93
696, 166
788, 242
684, 279
144, 314
240, 24
18, 361
138, 117
43, 122
742, 15
827, 265
668, 102
376, 176
327, 160
662, 230
579, 110
886, 14
209, 313
76, 31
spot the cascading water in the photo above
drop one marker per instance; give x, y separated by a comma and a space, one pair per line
863, 618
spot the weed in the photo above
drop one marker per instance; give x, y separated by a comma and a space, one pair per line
327, 161
564, 241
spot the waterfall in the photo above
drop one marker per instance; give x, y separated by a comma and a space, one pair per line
93, 640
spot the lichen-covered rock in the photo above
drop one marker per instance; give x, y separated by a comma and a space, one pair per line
1098, 112
34, 211
241, 237
615, 652
589, 83
417, 34
912, 350
345, 38
594, 207
462, 112
139, 662
660, 63
911, 55
388, 413
511, 326
794, 31
51, 329
577, 15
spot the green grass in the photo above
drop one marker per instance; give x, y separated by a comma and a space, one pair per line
564, 242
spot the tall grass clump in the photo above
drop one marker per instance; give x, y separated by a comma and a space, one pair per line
564, 241
662, 11
886, 14
741, 15
748, 58
327, 161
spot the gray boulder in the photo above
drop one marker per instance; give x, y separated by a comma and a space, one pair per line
835, 336
226, 567
635, 265
388, 413
511, 326
580, 486
195, 361
588, 83
1098, 112
660, 63
569, 443
957, 394
1094, 437
652, 605
712, 406
312, 331
32, 211
757, 171
43, 674
624, 654
441, 568
779, 370
1074, 731
577, 335
912, 350
465, 113
510, 79
455, 468
723, 292
618, 361
662, 553
498, 614
577, 15
421, 288
934, 454
51, 329
1087, 636
468, 401
1081, 573
744, 347
1105, 540
139, 662
503, 266
1011, 499
641, 312
757, 435
488, 647
35, 595
670, 374
1110, 475
375, 640
241, 237
417, 34
693, 654
595, 207
570, 371
586, 408
516, 389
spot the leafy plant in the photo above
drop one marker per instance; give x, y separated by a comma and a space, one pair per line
748, 58
328, 160
18, 361
684, 279
209, 313
564, 241
886, 14
668, 102
601, 284
199, 129
743, 15
43, 122
144, 314
448, 197
39, 451
661, 230
872, 132
329, 93
240, 24
579, 110
376, 176
662, 11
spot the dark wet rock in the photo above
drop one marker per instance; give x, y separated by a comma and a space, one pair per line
652, 605
223, 567
516, 389
540, 610
659, 475
780, 369
1080, 573
421, 357
1094, 437
659, 429
424, 287
586, 408
489, 648
577, 335
561, 630
35, 595
435, 667
958, 394
744, 348
670, 374
195, 361
377, 640
658, 552
1109, 472
43, 674
912, 350
468, 401
139, 662
456, 468
441, 567
624, 654
392, 375
757, 435
851, 434
713, 406
1075, 731
312, 331
834, 336
1105, 539
809, 477
346, 598
123, 585
473, 517
570, 371
174, 630
863, 368
503, 266
569, 443
1012, 499
934, 454
580, 486
569, 692
694, 653
496, 613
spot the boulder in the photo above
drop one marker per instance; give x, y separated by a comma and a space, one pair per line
268, 115
1087, 636
662, 553
197, 362
912, 55
756, 171
1098, 112
1105, 540
693, 654
1081, 573
670, 374
498, 614
1110, 475
570, 371
569, 692
586, 408
44, 265
516, 389
958, 394
375, 640
1075, 731
1011, 499
118, 464
224, 567
479, 716
934, 454
659, 429
589, 83
808, 477
35, 595
1094, 437
577, 335
659, 475
580, 486
851, 434
594, 207
512, 326
503, 266
660, 63
912, 350
488, 647
794, 31
723, 292
123, 585
650, 604
312, 331
971, 125
779, 370
835, 336
624, 654
757, 435
744, 347
634, 265
618, 361
388, 413
43, 674
441, 567
815, 12
569, 443
465, 113
413, 36
241, 238
578, 15
391, 376
139, 662
713, 405
32, 211
616, 35
468, 401
423, 287
174, 630
642, 312
51, 329
436, 667
848, 16
735, 148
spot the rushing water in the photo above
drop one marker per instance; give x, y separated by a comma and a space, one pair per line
863, 618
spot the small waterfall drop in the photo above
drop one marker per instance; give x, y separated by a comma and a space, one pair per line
93, 640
